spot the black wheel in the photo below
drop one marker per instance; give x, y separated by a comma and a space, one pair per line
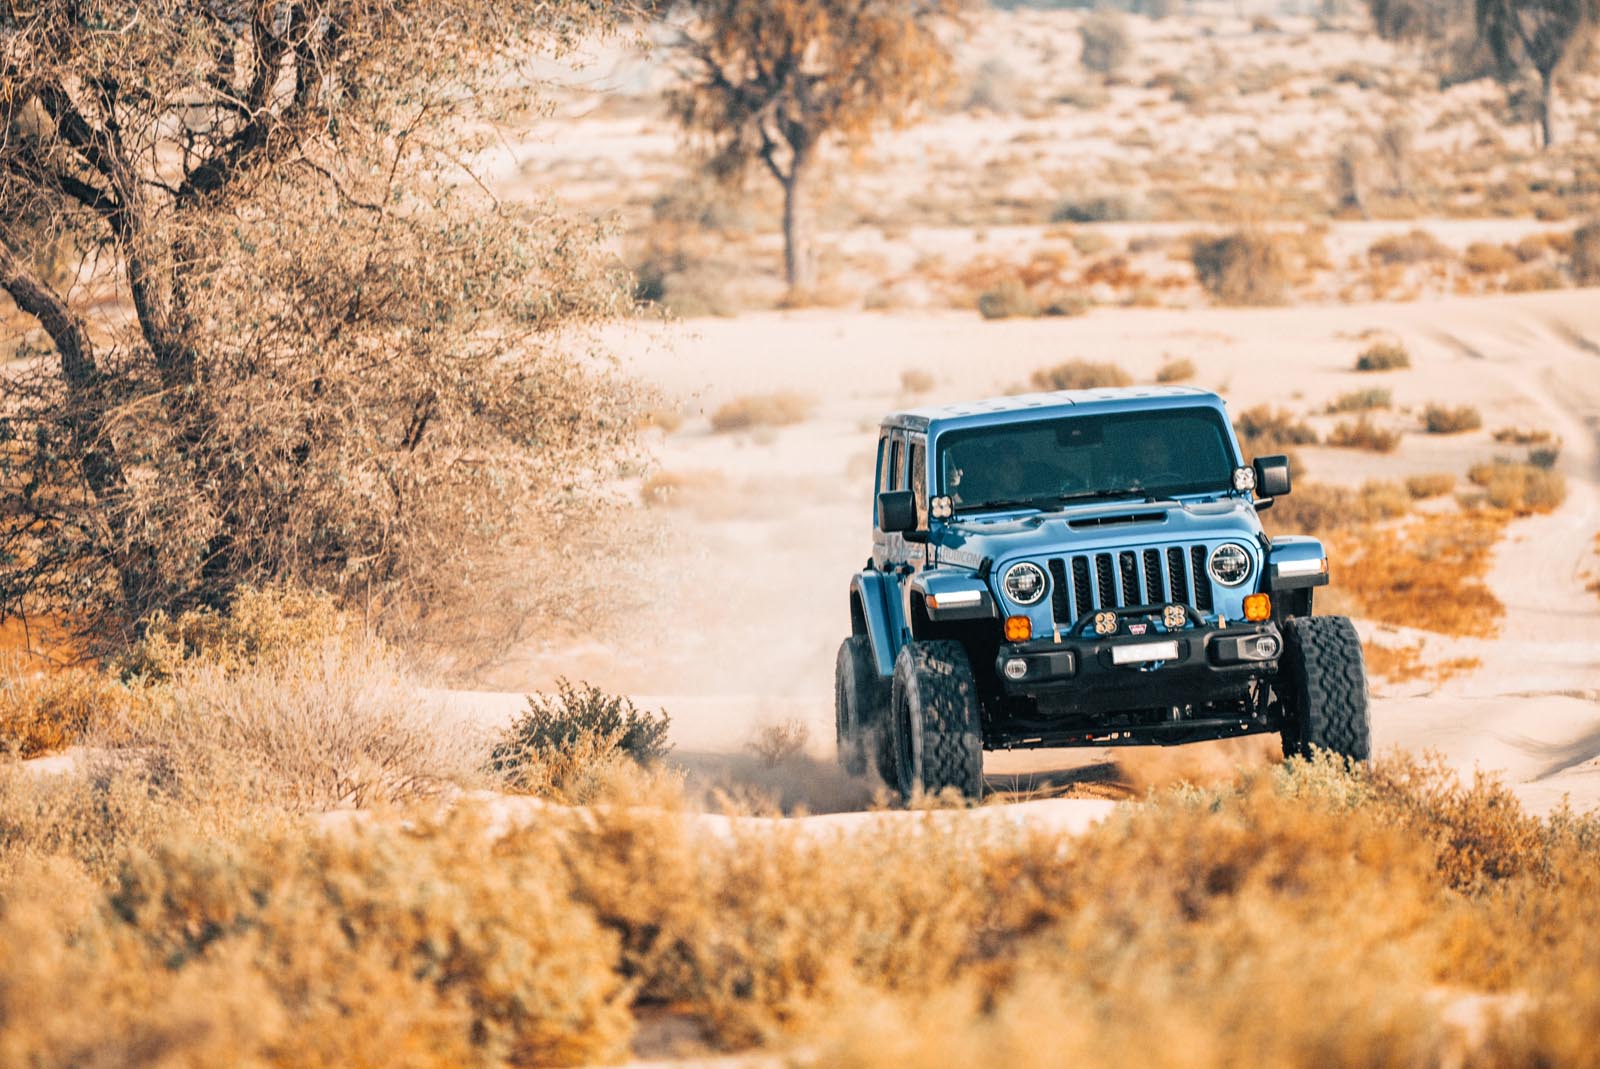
1323, 687
934, 721
860, 705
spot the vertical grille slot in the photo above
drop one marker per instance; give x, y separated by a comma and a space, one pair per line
1080, 586
1060, 596
1105, 580
1202, 578
1152, 577
1128, 565
1177, 575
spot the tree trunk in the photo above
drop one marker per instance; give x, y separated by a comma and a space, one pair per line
1547, 93
798, 263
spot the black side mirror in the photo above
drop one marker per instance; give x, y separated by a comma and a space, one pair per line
1272, 476
897, 511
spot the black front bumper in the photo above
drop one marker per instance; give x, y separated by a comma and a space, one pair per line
1078, 686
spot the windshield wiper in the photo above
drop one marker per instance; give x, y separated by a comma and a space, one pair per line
1087, 495
1040, 503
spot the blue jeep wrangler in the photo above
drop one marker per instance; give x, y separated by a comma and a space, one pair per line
1083, 568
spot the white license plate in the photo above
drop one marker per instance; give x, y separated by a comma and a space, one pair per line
1144, 652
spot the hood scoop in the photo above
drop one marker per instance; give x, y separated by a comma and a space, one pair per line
1116, 518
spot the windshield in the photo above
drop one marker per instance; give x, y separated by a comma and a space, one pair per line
1157, 453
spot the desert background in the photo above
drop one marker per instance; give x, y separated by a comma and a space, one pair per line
292, 821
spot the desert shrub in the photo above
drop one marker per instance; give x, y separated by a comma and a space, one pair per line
1106, 42
1486, 258
761, 410
1425, 573
565, 744
1544, 456
775, 744
1364, 434
1383, 356
1413, 247
1064, 304
1263, 426
1114, 207
915, 380
1009, 299
259, 625
1176, 369
1536, 280
1520, 488
1361, 400
1245, 267
1319, 508
1433, 484
673, 273
1520, 436
666, 420
1443, 419
1081, 375
41, 713
1584, 259
337, 727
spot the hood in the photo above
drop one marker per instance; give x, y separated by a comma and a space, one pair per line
1095, 526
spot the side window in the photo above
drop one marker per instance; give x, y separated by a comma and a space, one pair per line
919, 480
897, 470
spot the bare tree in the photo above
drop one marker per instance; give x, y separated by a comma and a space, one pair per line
1542, 34
772, 80
306, 344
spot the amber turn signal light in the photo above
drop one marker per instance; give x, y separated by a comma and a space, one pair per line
1018, 629
1257, 607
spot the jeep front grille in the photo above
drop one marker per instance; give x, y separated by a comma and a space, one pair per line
1081, 584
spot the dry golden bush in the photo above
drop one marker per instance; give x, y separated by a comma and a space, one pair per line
1364, 434
1080, 375
1443, 419
41, 713
1177, 369
1584, 262
1383, 356
915, 380
1433, 484
1414, 247
1245, 267
1519, 436
1264, 429
1361, 400
1426, 573
761, 410
1520, 488
1485, 258
1197, 928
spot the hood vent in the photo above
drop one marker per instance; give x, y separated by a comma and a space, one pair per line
1114, 518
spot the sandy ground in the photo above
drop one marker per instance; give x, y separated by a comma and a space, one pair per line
744, 608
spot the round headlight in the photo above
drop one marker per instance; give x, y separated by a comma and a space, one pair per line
1024, 583
1230, 564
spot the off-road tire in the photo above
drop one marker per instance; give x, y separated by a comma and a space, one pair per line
1323, 688
860, 708
934, 721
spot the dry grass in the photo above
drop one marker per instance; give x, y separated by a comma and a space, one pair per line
780, 409
1301, 916
1364, 434
1081, 375
1361, 400
1426, 573
1242, 268
1524, 489
1319, 509
1178, 369
1520, 436
915, 380
1416, 246
1383, 356
42, 713
1264, 429
1443, 419
1433, 484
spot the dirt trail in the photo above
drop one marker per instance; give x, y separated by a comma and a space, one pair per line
745, 606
